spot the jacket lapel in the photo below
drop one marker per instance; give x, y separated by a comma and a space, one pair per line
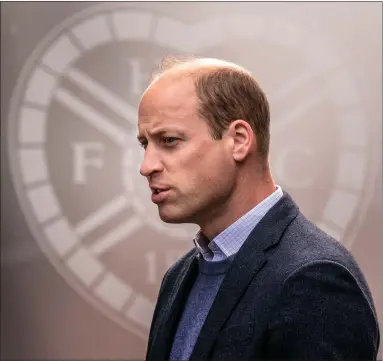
246, 264
173, 310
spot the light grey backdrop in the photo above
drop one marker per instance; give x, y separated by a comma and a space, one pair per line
83, 250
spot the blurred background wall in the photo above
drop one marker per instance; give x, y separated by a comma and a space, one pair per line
83, 250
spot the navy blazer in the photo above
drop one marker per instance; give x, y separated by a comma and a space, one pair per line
292, 292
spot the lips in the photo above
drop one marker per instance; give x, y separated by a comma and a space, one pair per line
159, 193
161, 196
157, 190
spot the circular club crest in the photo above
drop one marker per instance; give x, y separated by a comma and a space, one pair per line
75, 157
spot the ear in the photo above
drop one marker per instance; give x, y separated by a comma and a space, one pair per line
243, 139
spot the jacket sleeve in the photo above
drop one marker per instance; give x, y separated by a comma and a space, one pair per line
323, 314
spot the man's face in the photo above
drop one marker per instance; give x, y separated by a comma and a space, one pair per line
194, 173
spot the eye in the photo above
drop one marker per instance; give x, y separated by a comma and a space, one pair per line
143, 144
169, 140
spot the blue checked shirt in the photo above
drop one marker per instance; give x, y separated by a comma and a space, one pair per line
228, 242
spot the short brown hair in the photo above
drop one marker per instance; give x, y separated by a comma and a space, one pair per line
227, 93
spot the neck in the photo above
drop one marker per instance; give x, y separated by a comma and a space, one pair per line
249, 193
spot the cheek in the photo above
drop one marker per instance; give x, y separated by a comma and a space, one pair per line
209, 169
200, 165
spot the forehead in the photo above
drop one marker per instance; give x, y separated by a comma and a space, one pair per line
170, 96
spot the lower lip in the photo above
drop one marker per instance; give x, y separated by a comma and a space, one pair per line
160, 197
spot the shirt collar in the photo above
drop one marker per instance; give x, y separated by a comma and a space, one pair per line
228, 242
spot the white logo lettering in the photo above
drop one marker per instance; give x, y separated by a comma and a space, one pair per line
82, 161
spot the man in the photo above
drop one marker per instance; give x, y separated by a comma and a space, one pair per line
261, 281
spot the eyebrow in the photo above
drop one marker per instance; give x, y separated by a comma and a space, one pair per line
160, 131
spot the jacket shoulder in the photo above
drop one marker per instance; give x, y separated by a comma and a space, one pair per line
303, 244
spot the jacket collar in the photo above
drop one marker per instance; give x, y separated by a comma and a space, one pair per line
249, 260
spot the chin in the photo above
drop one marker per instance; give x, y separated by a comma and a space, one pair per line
171, 218
175, 216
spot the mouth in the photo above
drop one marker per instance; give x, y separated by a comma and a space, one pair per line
159, 195
158, 190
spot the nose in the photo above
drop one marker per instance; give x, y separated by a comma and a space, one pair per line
151, 162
